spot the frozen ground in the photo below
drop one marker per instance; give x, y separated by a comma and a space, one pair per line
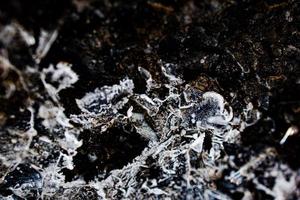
168, 99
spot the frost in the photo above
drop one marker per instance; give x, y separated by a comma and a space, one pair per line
45, 42
52, 180
53, 116
60, 77
291, 131
147, 103
28, 182
183, 131
243, 172
70, 143
197, 145
283, 187
9, 32
150, 83
142, 127
167, 71
208, 89
210, 112
101, 98
215, 195
61, 74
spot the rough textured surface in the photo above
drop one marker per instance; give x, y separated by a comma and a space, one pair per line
141, 99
